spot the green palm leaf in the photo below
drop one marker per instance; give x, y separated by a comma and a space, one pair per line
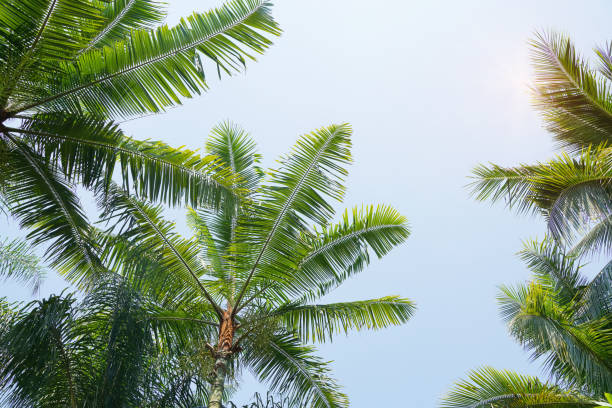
291, 369
44, 202
577, 352
152, 70
341, 250
574, 100
295, 195
597, 297
318, 323
88, 150
123, 16
491, 388
18, 261
554, 269
572, 193
145, 226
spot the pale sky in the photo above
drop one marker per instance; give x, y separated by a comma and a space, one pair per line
431, 88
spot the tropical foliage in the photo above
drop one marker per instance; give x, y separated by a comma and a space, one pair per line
102, 351
250, 275
19, 262
560, 317
573, 190
71, 69
258, 401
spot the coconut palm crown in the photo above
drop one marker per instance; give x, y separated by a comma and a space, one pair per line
250, 278
70, 70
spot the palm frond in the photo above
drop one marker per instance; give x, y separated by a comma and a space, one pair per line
18, 261
291, 369
576, 352
237, 150
294, 195
497, 183
341, 250
152, 70
491, 388
142, 223
46, 203
123, 16
598, 239
572, 193
574, 100
554, 268
318, 323
596, 299
38, 349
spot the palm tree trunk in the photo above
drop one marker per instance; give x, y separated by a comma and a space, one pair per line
216, 392
222, 356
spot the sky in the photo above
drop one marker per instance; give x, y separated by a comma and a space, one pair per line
431, 88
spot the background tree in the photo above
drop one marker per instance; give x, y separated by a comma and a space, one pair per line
70, 69
253, 269
102, 351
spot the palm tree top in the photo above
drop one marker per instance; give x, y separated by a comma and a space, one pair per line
254, 268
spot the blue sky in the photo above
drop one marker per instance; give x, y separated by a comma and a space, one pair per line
431, 88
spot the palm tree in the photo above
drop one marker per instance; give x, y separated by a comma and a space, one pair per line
99, 352
70, 69
573, 191
561, 318
254, 268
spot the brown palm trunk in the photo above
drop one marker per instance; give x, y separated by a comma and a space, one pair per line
222, 353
